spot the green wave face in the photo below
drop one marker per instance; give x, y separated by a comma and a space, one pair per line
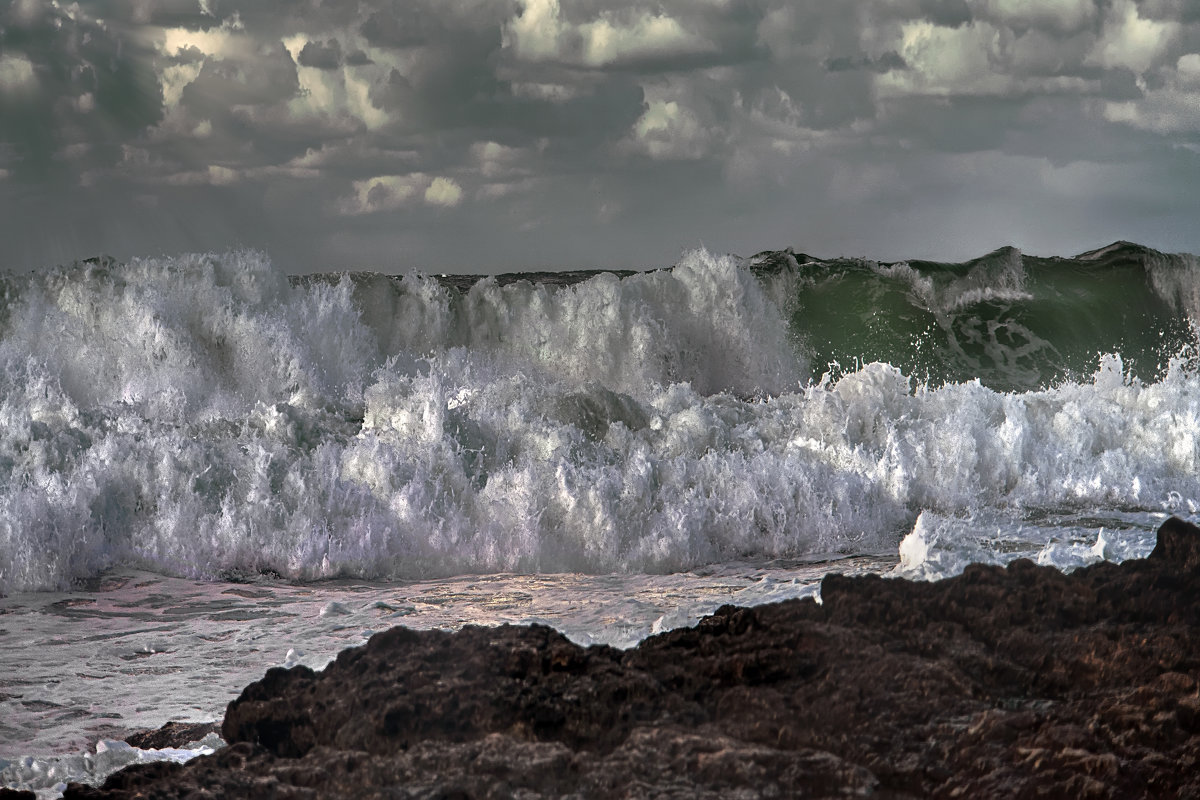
1013, 322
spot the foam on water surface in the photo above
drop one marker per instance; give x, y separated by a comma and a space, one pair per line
204, 416
138, 649
48, 776
939, 546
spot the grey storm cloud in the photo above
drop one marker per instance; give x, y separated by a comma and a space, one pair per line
321, 55
69, 84
569, 133
885, 63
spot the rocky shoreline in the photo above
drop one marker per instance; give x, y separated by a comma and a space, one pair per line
1002, 682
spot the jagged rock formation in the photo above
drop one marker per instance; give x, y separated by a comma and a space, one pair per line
173, 734
1003, 682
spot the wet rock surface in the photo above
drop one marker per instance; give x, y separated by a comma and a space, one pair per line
1002, 682
173, 734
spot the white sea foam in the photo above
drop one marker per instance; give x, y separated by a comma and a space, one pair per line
940, 546
202, 416
997, 277
48, 777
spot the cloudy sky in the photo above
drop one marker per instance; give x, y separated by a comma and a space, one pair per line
492, 135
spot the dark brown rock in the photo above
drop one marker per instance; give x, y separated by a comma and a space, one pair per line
173, 734
1175, 545
1002, 682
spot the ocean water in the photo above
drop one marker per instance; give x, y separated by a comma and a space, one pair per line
208, 467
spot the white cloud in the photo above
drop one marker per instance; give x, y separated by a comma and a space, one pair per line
227, 41
981, 59
668, 130
391, 192
1187, 71
949, 61
333, 93
443, 192
221, 176
1172, 108
382, 193
607, 43
536, 31
1130, 41
175, 78
495, 160
16, 74
222, 41
539, 33
358, 100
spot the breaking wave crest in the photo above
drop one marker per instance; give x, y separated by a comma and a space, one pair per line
206, 415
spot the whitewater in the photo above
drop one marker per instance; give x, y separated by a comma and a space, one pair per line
208, 467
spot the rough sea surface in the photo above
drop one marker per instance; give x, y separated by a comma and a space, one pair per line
206, 464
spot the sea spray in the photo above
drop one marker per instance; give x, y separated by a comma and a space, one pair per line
206, 416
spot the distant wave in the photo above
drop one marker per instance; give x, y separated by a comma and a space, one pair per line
1009, 320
